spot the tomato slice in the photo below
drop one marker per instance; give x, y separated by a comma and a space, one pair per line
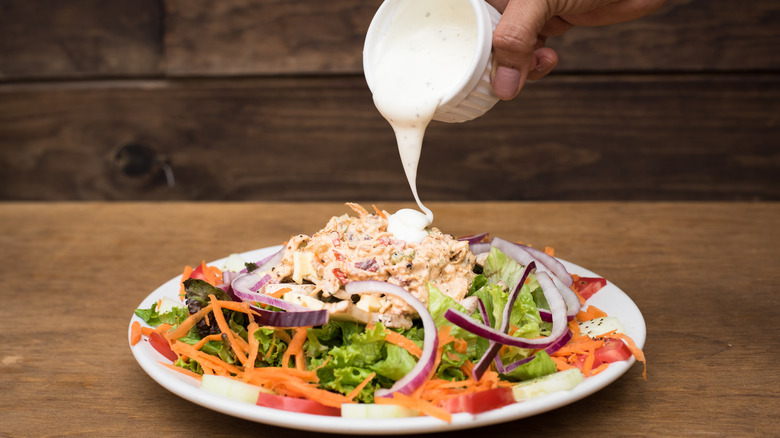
295, 404
587, 286
580, 362
158, 342
482, 401
614, 350
198, 274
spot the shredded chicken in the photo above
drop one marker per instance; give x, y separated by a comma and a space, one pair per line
353, 248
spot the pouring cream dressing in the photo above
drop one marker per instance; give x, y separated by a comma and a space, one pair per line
426, 50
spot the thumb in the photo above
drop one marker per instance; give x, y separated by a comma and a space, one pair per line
514, 42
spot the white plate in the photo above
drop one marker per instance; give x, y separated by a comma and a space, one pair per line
610, 299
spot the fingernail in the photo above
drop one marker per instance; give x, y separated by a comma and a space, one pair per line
544, 65
506, 82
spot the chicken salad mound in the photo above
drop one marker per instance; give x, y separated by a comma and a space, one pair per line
353, 248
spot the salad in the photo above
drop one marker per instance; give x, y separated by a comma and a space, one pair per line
354, 322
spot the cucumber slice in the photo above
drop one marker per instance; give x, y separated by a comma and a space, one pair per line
231, 388
598, 326
560, 381
166, 304
234, 263
371, 410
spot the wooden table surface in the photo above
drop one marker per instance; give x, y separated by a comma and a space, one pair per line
705, 276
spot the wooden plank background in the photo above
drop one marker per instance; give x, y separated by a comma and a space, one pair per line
265, 100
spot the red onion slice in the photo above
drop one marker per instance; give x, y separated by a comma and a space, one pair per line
492, 351
474, 238
573, 305
479, 248
563, 340
548, 263
551, 263
417, 376
557, 307
267, 263
523, 255
292, 315
270, 261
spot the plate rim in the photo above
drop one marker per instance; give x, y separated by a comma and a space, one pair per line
188, 389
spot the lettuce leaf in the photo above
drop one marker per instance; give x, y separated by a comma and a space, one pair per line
345, 354
502, 274
540, 365
397, 363
501, 269
154, 318
438, 303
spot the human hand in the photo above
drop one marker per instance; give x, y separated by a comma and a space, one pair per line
519, 39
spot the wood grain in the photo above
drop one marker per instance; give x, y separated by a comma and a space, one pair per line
245, 37
49, 39
566, 138
45, 39
66, 354
684, 35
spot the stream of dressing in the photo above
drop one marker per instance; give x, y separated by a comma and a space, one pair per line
425, 52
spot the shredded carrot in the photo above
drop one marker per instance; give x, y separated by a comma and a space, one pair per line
352, 394
417, 404
146, 331
589, 313
188, 323
636, 351
550, 251
575, 328
253, 348
236, 306
400, 340
467, 368
215, 337
579, 345
184, 371
135, 332
162, 328
379, 212
281, 334
307, 390
295, 348
218, 365
587, 364
223, 326
600, 368
184, 275
445, 338
359, 209
278, 293
437, 390
278, 373
206, 369
561, 363
211, 274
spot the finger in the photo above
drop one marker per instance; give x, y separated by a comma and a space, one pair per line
500, 5
555, 26
546, 60
514, 42
612, 13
